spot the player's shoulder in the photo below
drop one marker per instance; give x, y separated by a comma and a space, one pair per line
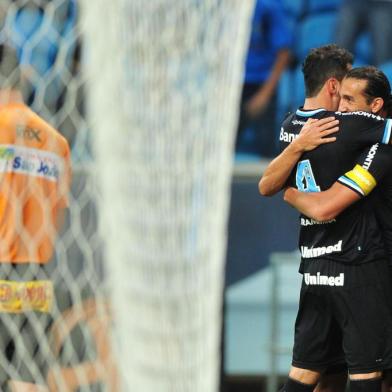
43, 125
288, 118
359, 117
10, 113
57, 140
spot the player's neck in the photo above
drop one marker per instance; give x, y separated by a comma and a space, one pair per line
324, 99
8, 96
317, 102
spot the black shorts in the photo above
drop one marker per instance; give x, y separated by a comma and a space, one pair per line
24, 347
344, 315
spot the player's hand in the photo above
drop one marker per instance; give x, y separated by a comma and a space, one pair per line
289, 193
316, 132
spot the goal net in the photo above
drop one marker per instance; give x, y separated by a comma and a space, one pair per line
146, 93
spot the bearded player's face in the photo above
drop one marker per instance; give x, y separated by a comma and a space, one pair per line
352, 97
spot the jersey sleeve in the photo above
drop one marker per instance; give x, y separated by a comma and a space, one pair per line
371, 167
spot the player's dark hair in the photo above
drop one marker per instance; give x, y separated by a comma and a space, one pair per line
10, 77
377, 85
329, 61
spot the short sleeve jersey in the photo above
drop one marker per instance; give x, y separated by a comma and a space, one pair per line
353, 236
34, 183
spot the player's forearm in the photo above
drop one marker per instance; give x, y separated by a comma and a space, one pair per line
309, 204
278, 171
322, 206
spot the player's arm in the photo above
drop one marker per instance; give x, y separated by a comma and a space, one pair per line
322, 206
371, 167
313, 134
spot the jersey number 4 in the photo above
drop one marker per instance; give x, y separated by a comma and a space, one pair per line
304, 177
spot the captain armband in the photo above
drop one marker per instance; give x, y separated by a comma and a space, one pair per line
360, 180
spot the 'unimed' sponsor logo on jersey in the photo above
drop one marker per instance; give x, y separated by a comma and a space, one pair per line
286, 136
370, 156
323, 280
319, 251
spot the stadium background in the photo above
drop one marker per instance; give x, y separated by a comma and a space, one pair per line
258, 227
262, 280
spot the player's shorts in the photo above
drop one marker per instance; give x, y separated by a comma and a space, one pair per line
25, 318
344, 315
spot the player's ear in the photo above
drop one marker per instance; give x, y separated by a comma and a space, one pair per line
333, 86
377, 104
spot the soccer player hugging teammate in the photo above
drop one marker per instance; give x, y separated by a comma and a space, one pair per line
366, 90
344, 312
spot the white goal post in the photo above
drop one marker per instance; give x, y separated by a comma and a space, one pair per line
165, 82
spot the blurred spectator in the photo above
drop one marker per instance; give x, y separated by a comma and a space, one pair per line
373, 16
268, 56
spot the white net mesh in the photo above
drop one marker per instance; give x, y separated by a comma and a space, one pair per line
169, 78
163, 85
74, 351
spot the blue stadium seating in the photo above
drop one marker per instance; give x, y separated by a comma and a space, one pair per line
313, 6
284, 95
315, 30
387, 69
313, 23
294, 11
298, 94
363, 50
294, 8
291, 92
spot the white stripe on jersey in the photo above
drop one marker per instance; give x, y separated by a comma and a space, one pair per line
351, 184
387, 132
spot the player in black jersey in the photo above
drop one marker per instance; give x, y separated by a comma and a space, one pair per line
365, 89
333, 296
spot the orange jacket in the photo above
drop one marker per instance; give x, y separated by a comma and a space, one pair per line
34, 183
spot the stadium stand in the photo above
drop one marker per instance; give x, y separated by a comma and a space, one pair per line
315, 6
291, 92
294, 7
305, 17
363, 50
307, 38
387, 69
